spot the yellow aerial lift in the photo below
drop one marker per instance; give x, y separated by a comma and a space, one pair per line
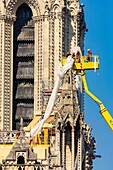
80, 65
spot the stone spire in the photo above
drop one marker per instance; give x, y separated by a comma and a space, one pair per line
21, 148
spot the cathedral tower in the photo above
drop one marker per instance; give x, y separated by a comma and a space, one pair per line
34, 35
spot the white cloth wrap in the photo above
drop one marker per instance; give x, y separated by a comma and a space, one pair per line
61, 71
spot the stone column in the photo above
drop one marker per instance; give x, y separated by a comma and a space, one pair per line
63, 149
38, 65
45, 51
57, 42
2, 58
57, 147
6, 77
51, 51
73, 148
80, 152
11, 88
8, 72
75, 37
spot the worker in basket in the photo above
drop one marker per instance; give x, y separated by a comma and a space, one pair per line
68, 54
89, 55
77, 57
73, 55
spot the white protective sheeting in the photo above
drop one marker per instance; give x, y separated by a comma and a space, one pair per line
75, 49
61, 71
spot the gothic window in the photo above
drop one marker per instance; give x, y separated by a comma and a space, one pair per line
23, 66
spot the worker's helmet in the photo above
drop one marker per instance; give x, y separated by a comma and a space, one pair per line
78, 51
68, 52
88, 50
73, 53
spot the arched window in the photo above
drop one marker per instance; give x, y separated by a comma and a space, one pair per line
23, 62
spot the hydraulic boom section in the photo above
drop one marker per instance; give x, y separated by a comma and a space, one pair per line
103, 111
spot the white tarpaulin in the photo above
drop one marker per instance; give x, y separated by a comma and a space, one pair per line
61, 71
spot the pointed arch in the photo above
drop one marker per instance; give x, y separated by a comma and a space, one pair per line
14, 5
56, 8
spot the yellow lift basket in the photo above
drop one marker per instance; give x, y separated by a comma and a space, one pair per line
82, 63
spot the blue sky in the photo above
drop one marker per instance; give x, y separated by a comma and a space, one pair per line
99, 38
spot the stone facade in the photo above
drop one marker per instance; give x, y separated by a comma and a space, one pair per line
70, 145
32, 42
34, 35
73, 135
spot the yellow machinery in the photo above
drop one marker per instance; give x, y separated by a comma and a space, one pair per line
81, 65
42, 139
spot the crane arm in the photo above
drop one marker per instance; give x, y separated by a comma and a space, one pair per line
103, 111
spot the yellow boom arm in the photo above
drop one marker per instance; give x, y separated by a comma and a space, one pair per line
103, 111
